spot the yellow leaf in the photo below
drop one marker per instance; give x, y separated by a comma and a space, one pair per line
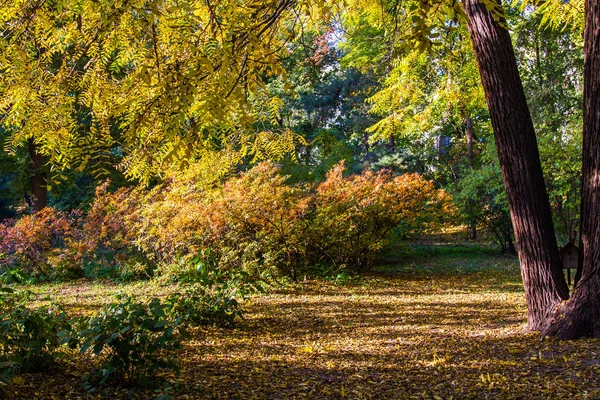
18, 381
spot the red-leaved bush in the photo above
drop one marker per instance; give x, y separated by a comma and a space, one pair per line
40, 242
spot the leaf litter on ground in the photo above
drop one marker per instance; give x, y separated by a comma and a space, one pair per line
427, 328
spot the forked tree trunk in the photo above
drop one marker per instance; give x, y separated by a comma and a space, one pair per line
580, 316
541, 269
39, 186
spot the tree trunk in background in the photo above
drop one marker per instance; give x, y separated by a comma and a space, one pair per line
471, 158
580, 316
541, 268
39, 188
470, 136
392, 143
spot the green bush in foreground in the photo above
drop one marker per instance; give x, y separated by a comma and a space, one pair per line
29, 340
195, 306
132, 340
213, 297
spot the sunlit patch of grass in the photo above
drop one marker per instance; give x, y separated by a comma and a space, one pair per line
431, 328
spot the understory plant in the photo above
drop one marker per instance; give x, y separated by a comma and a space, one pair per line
29, 337
355, 215
42, 244
132, 342
214, 295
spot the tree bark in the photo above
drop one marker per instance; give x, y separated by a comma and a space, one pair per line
580, 316
541, 269
39, 187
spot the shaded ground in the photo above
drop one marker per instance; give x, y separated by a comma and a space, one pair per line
432, 328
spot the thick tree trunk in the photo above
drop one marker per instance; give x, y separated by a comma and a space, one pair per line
579, 261
39, 187
541, 269
580, 316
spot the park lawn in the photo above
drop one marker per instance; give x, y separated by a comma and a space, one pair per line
436, 327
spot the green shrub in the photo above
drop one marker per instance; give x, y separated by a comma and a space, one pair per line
215, 294
13, 274
29, 338
197, 307
4, 378
133, 341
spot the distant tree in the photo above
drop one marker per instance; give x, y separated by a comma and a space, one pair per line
481, 197
550, 63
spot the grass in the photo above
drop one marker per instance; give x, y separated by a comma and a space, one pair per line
434, 327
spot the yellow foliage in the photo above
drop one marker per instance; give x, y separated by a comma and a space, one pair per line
161, 82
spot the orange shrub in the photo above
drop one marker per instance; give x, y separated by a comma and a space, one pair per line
260, 221
260, 224
173, 222
356, 214
109, 232
256, 223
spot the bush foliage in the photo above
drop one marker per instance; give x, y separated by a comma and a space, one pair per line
132, 340
213, 297
255, 223
355, 215
45, 243
29, 338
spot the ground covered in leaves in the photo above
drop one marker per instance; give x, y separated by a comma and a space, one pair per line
439, 327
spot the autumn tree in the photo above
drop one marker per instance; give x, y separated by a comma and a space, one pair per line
149, 85
518, 154
514, 132
551, 66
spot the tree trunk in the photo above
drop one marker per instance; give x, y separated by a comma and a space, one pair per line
470, 136
368, 154
473, 229
39, 187
392, 143
580, 316
541, 269
579, 261
471, 158
510, 246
